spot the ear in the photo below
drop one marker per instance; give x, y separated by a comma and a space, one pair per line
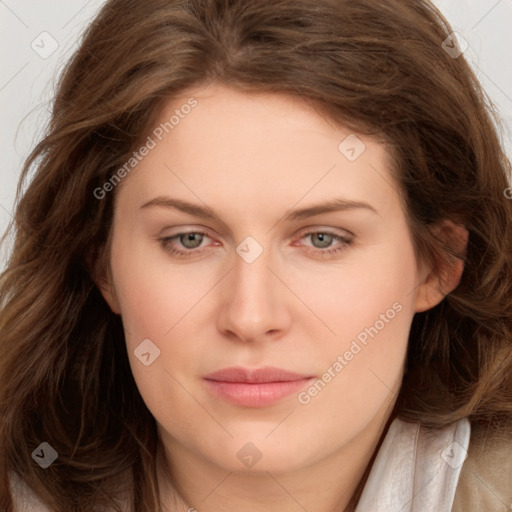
107, 289
435, 286
102, 277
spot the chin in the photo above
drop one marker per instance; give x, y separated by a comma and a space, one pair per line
260, 457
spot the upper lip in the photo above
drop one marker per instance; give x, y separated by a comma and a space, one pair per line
255, 375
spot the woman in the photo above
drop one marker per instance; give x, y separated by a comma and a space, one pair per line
264, 263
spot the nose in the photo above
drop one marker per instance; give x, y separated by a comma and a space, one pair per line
253, 304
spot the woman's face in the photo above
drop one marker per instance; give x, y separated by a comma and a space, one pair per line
256, 234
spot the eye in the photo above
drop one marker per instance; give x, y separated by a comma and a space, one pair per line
323, 243
324, 239
191, 241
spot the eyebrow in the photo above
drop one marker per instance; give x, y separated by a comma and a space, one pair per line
334, 205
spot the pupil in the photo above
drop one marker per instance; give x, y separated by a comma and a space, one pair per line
324, 239
189, 240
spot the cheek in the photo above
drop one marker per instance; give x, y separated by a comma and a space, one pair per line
369, 309
160, 310
162, 304
362, 365
372, 289
367, 350
154, 295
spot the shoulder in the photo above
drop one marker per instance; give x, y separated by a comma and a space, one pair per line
485, 481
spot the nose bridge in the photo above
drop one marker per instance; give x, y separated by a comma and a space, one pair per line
251, 274
252, 303
251, 277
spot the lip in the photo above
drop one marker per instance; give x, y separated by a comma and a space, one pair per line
255, 387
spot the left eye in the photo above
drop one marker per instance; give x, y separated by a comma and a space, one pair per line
324, 239
191, 240
322, 243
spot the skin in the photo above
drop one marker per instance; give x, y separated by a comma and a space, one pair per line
252, 158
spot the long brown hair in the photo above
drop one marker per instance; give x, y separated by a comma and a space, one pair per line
379, 68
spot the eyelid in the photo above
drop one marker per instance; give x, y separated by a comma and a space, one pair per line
344, 233
169, 232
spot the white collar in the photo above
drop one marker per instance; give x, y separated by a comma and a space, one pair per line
416, 470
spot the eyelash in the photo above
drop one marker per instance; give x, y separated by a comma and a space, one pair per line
165, 243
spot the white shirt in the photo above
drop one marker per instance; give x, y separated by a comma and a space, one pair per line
414, 471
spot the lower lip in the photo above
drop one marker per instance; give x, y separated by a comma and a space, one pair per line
255, 395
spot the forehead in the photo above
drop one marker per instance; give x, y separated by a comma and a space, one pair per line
258, 149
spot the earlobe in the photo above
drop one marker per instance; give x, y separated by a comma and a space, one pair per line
109, 294
102, 277
437, 285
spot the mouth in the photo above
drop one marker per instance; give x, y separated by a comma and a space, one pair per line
255, 387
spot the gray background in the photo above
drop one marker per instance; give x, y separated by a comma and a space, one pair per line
30, 66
